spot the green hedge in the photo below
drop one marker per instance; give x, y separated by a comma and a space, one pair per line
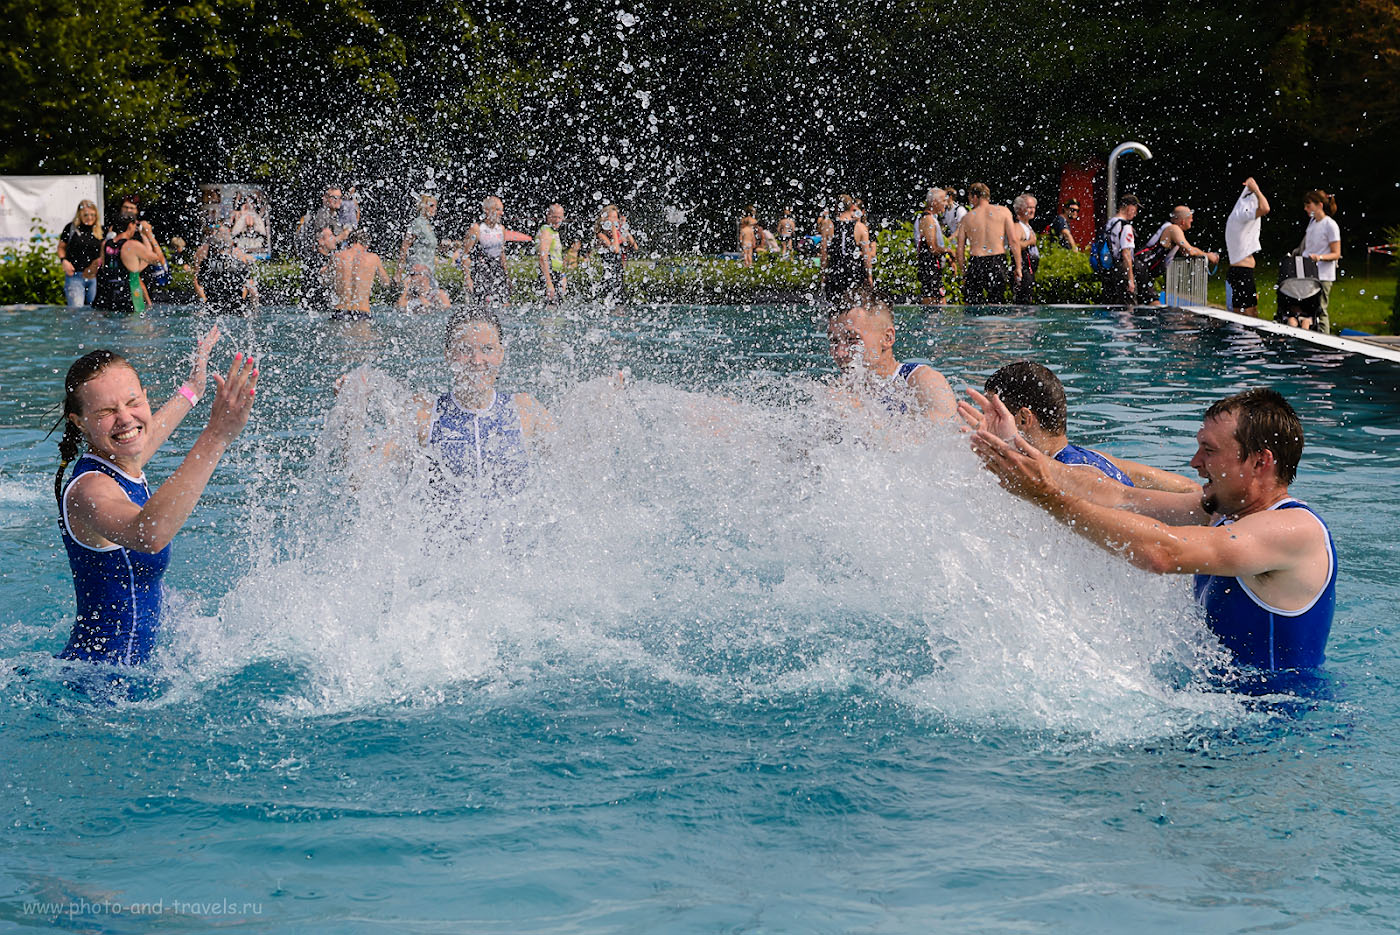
31, 275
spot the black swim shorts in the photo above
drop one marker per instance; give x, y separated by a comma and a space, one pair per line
1243, 293
985, 280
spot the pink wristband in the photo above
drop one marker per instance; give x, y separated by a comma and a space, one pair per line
188, 393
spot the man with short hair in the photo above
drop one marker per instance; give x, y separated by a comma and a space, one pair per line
861, 337
984, 236
1119, 286
952, 211
353, 271
1059, 227
1171, 237
1027, 398
550, 247
1264, 562
328, 215
1241, 243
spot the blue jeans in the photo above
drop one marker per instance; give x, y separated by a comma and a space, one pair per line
79, 291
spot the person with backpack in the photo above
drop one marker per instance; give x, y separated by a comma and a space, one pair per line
1151, 261
1111, 254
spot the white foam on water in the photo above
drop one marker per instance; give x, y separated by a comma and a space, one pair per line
766, 542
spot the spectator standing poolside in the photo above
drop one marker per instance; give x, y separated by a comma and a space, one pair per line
249, 229
607, 237
983, 237
1322, 243
326, 216
953, 212
79, 246
484, 256
1119, 286
1059, 227
315, 284
748, 240
549, 245
846, 263
349, 216
220, 269
418, 259
130, 207
1164, 245
1024, 210
931, 248
1242, 243
353, 271
787, 232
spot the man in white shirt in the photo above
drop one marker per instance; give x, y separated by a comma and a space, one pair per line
952, 211
1118, 285
1242, 242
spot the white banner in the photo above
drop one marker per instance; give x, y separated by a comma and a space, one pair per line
52, 199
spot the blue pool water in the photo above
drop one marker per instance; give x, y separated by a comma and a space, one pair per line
740, 663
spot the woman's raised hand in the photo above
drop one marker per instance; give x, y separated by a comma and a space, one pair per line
233, 401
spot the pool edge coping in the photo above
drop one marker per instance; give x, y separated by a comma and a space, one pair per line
1364, 348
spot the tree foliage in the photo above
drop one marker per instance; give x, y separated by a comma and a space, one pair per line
689, 109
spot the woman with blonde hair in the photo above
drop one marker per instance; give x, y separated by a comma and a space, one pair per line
486, 275
79, 247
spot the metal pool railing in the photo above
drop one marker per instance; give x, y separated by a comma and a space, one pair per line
1186, 281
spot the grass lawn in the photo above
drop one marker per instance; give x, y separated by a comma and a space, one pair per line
1357, 302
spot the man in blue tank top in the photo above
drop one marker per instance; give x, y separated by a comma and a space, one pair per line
1027, 398
1264, 562
861, 334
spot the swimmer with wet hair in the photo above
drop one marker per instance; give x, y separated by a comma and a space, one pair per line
474, 431
1027, 398
117, 532
861, 335
1264, 564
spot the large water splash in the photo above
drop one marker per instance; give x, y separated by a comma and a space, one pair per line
765, 541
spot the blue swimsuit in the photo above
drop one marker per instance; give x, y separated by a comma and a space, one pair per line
484, 445
1262, 636
118, 589
1073, 454
893, 394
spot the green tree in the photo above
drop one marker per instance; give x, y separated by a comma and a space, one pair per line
88, 88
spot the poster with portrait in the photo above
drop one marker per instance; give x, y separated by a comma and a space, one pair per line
244, 210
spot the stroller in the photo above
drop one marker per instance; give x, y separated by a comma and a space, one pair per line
1300, 294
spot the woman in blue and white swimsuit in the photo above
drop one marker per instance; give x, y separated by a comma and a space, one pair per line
116, 531
479, 435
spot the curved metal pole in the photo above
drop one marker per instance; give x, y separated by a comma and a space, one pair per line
1119, 150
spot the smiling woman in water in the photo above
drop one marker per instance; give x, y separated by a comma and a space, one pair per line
117, 533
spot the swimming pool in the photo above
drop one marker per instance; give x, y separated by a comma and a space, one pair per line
726, 670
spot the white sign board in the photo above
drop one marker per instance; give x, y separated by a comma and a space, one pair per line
53, 199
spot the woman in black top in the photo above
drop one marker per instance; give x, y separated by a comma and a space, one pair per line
79, 246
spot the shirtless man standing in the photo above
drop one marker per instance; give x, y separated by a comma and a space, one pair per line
983, 236
353, 271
